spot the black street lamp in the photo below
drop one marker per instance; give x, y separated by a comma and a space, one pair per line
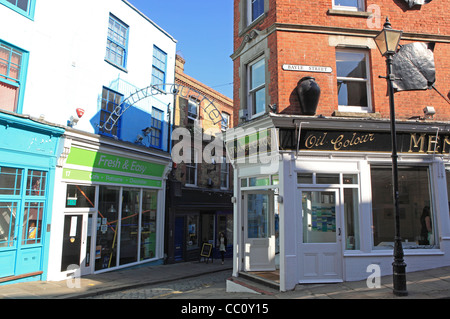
387, 41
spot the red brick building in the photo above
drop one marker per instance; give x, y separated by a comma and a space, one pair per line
311, 33
323, 212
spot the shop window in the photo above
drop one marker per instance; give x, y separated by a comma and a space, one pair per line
353, 85
351, 218
36, 181
192, 233
10, 181
8, 213
351, 5
417, 227
107, 227
117, 43
129, 222
327, 178
32, 223
256, 92
148, 224
79, 196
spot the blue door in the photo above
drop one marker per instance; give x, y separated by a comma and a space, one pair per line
179, 238
22, 218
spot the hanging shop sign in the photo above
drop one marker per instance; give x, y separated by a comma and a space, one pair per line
307, 68
360, 141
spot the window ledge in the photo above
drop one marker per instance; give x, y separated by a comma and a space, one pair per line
117, 66
375, 115
341, 12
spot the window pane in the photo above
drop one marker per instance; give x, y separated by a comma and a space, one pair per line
351, 215
351, 93
129, 226
192, 232
414, 205
32, 223
319, 217
10, 181
258, 215
346, 3
36, 181
8, 213
258, 71
351, 64
259, 101
305, 178
106, 245
327, 179
257, 8
80, 196
148, 227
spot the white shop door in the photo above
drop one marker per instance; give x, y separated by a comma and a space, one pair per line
320, 248
259, 231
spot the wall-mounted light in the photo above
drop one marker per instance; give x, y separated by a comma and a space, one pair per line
429, 111
147, 130
139, 138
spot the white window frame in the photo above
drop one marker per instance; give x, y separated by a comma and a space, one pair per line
250, 11
194, 166
192, 102
251, 107
362, 109
225, 123
360, 6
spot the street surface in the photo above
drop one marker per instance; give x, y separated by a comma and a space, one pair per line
210, 286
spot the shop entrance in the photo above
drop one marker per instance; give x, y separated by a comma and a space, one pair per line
259, 231
76, 250
320, 249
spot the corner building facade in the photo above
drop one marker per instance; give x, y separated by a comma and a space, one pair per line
320, 210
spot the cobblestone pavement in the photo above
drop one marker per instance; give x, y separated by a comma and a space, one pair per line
185, 288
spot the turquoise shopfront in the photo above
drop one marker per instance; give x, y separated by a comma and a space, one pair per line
28, 156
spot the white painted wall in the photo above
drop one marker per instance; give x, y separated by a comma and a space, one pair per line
67, 46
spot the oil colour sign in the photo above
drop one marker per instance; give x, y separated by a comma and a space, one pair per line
360, 141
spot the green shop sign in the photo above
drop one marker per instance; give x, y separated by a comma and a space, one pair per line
96, 160
116, 163
87, 176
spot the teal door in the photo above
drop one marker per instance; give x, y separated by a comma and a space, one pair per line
22, 216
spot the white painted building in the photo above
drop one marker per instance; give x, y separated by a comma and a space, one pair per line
71, 65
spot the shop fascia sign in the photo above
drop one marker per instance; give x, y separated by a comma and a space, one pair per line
358, 141
253, 143
99, 167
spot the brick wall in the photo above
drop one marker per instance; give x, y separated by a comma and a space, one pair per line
305, 30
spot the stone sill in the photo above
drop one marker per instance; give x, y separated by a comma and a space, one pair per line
362, 14
375, 115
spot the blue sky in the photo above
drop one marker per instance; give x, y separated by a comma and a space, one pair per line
204, 31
